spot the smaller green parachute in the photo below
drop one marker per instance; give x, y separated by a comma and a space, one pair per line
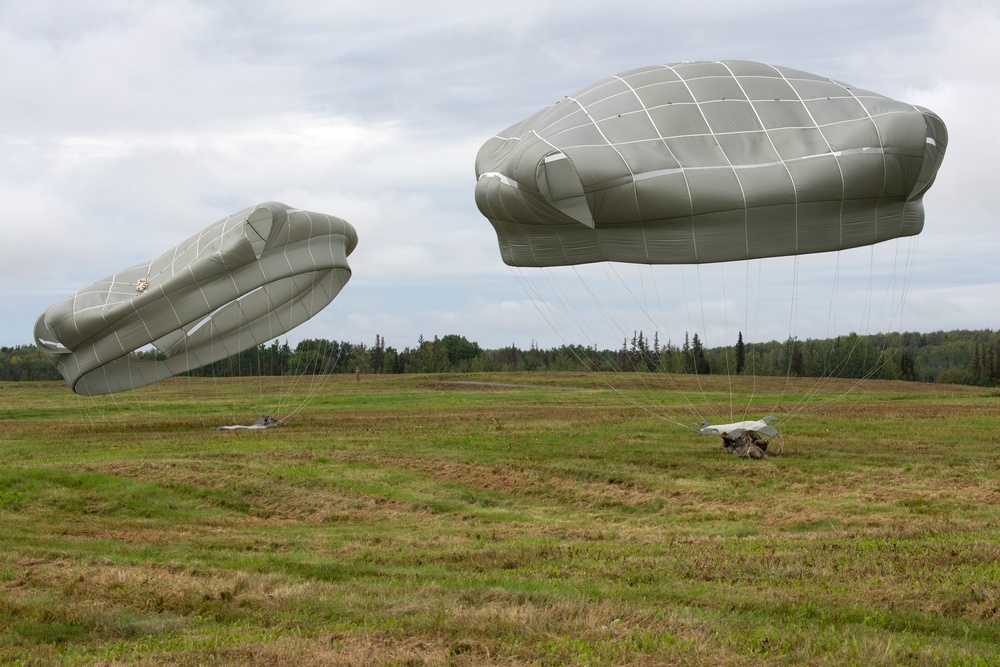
244, 280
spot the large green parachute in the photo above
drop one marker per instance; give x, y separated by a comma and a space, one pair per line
707, 162
242, 281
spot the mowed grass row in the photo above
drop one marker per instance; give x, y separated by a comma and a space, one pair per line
498, 519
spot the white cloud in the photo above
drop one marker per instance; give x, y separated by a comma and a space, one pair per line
129, 126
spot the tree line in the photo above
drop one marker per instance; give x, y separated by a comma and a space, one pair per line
955, 357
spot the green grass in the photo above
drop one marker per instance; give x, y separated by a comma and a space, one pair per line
424, 520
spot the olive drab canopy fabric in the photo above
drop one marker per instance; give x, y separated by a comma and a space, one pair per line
239, 283
707, 162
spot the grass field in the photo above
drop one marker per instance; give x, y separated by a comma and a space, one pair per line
539, 519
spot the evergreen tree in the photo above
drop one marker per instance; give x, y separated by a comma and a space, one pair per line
378, 355
741, 354
686, 355
699, 360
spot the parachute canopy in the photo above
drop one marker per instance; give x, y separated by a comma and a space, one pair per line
242, 281
707, 162
737, 429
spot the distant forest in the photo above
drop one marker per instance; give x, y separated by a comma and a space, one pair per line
954, 357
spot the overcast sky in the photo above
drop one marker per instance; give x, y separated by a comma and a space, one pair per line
128, 126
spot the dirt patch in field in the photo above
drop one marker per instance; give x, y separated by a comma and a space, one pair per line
512, 480
250, 496
471, 384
